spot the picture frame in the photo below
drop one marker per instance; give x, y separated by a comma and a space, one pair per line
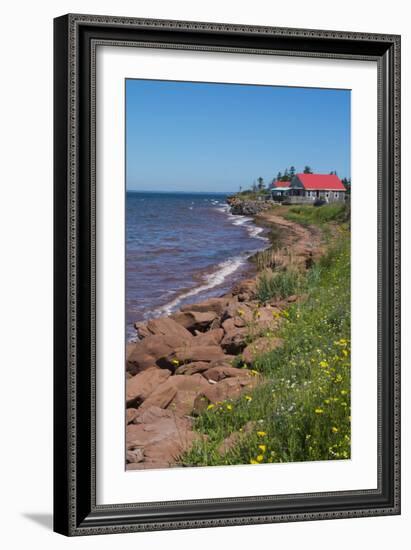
76, 38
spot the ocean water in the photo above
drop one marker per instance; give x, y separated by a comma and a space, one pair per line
182, 248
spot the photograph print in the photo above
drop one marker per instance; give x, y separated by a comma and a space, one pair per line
237, 307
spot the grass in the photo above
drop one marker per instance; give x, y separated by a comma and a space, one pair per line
307, 214
302, 409
278, 285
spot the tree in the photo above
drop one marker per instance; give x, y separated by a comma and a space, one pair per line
347, 184
307, 170
279, 176
286, 177
333, 173
260, 183
292, 172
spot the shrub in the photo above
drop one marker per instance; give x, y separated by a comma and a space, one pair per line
278, 284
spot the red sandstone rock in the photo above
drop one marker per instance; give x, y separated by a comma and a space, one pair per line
210, 338
217, 305
161, 435
225, 371
193, 368
161, 397
191, 354
143, 384
241, 310
195, 320
176, 393
135, 454
168, 327
130, 415
259, 347
142, 329
234, 340
229, 388
246, 287
152, 350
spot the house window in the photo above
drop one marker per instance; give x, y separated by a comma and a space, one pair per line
336, 195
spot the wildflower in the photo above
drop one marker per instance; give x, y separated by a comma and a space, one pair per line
318, 410
343, 392
229, 407
253, 461
263, 448
345, 352
261, 434
175, 362
254, 372
248, 397
323, 364
260, 458
327, 401
211, 406
338, 378
334, 429
240, 312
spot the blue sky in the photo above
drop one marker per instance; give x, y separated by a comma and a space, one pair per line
183, 136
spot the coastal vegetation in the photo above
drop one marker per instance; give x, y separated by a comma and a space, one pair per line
301, 410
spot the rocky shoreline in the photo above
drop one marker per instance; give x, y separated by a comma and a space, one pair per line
200, 356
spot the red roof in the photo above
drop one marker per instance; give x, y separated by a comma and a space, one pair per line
281, 183
321, 182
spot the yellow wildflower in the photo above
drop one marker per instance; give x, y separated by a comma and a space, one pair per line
253, 461
229, 407
343, 392
334, 429
323, 364
318, 410
175, 362
261, 434
263, 448
248, 397
211, 406
260, 458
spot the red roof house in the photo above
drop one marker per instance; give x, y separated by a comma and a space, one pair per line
320, 182
306, 188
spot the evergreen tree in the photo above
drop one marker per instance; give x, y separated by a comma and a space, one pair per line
292, 172
307, 170
260, 183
